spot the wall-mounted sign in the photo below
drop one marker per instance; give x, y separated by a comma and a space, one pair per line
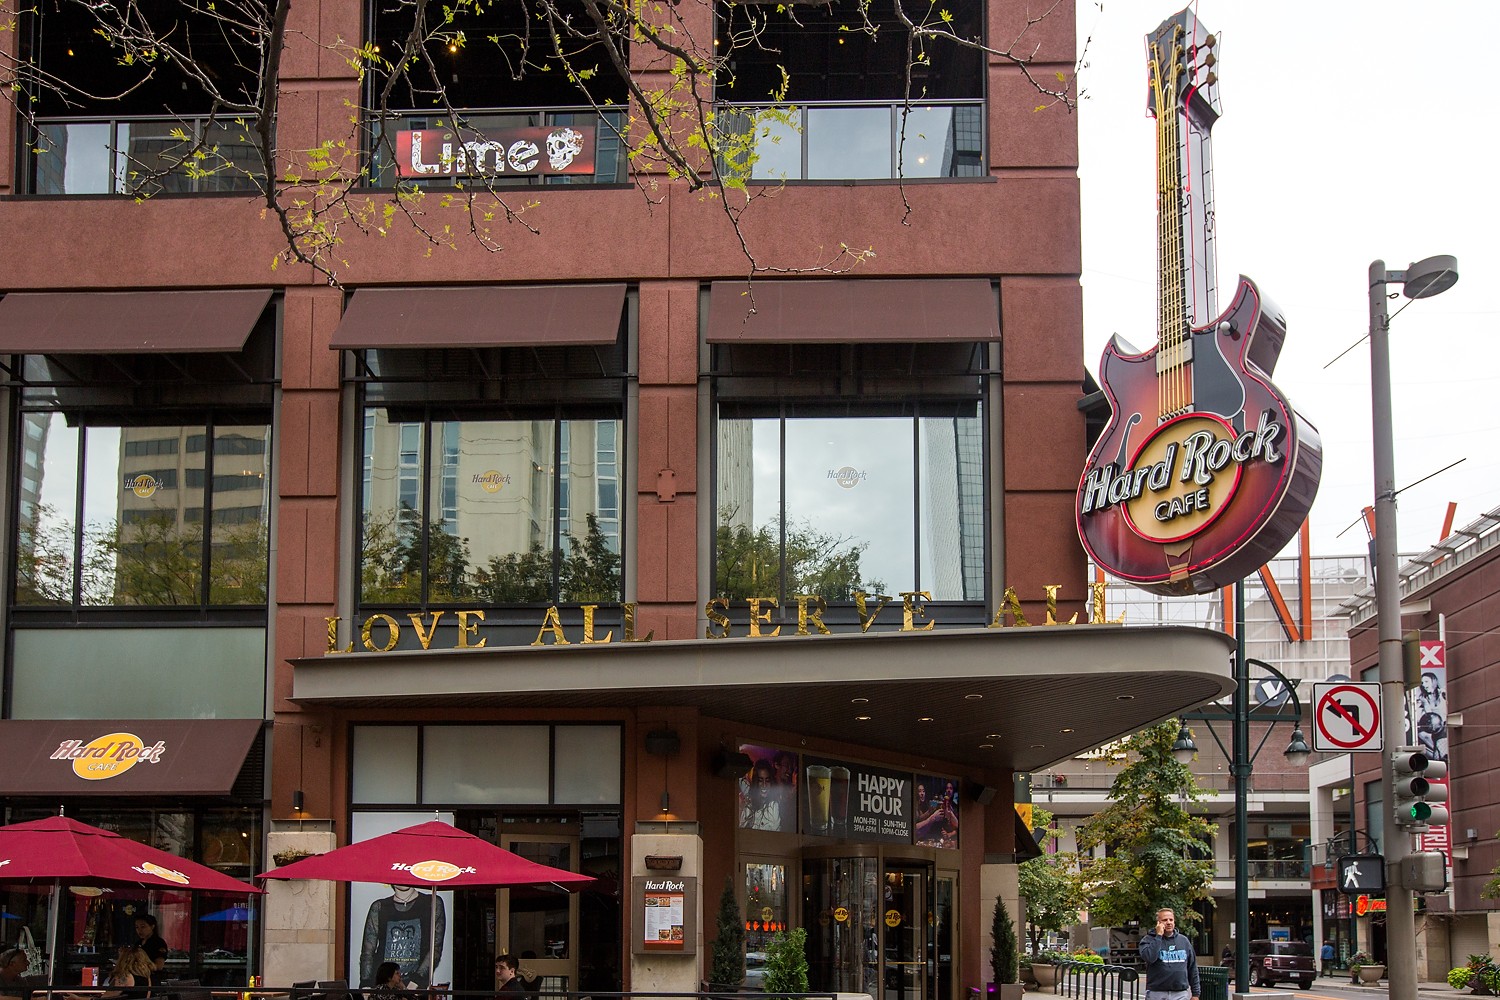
935, 811
856, 802
666, 915
437, 152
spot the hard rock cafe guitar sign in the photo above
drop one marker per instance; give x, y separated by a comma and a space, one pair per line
1204, 471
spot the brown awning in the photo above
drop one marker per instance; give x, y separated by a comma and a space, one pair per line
56, 757
481, 316
849, 311
129, 322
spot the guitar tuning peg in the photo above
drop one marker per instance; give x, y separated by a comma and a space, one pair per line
1211, 79
1210, 41
1209, 59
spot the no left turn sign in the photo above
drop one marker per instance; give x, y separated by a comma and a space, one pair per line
1346, 717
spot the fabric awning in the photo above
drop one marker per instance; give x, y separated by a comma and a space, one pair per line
57, 757
129, 322
481, 316
849, 311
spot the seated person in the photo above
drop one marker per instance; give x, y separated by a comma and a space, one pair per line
13, 979
133, 967
388, 979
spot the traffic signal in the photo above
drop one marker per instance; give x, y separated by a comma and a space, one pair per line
1417, 785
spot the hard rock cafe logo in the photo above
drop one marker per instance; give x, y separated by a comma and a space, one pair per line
491, 481
848, 477
108, 756
144, 485
1183, 477
147, 868
434, 871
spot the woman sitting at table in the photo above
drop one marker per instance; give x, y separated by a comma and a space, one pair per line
388, 979
133, 967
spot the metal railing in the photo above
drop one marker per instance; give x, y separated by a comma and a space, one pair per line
334, 992
1093, 981
145, 155
852, 141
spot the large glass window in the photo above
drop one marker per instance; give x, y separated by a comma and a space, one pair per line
883, 492
505, 493
143, 480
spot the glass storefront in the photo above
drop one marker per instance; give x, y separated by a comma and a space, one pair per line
210, 937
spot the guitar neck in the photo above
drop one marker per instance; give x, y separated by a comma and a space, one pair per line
1174, 348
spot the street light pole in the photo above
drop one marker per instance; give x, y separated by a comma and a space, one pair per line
1241, 763
1425, 278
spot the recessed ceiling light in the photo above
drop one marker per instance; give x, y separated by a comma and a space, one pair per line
973, 697
986, 746
924, 718
1065, 730
861, 718
1124, 697
859, 701
1038, 746
993, 736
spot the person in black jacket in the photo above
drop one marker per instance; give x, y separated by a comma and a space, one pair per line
507, 968
1171, 964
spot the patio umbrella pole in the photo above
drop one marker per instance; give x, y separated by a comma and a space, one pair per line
52, 933
432, 943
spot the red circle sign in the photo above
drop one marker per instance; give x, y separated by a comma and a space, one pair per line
1361, 716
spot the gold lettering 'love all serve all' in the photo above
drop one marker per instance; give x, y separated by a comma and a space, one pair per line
381, 633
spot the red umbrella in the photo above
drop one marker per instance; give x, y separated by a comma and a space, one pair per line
433, 854
58, 849
428, 854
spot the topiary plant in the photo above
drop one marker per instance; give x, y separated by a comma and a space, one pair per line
1003, 958
786, 962
727, 969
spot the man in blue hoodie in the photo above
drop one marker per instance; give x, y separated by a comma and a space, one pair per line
1171, 965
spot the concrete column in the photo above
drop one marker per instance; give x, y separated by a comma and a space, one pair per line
298, 937
658, 972
996, 882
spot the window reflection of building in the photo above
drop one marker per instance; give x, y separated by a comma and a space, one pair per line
489, 502
883, 493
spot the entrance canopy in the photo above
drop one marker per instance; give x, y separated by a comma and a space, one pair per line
1020, 698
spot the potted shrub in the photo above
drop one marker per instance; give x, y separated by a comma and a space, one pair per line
786, 962
1364, 969
1479, 976
1044, 967
1004, 960
727, 969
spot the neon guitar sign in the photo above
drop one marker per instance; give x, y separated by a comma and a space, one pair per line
1204, 471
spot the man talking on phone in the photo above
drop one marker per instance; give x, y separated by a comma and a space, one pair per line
1171, 965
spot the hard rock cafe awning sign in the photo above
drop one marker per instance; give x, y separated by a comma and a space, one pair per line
439, 152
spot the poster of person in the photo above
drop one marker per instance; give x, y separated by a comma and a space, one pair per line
935, 811
768, 791
1427, 703
390, 923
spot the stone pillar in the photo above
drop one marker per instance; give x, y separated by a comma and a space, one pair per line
665, 973
298, 940
1002, 882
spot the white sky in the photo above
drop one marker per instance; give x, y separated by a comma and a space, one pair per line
1351, 131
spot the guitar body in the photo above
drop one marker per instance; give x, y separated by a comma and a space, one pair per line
1193, 499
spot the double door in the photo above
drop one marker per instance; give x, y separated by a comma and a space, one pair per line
880, 926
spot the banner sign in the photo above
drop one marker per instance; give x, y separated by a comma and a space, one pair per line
434, 152
856, 802
1427, 728
935, 811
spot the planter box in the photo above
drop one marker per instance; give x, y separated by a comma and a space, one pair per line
1045, 973
1371, 973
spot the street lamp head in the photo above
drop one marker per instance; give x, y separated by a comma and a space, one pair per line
1184, 749
1297, 751
1432, 276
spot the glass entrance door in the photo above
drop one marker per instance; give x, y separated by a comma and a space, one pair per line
907, 913
537, 925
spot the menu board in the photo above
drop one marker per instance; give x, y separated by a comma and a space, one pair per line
857, 802
666, 914
663, 925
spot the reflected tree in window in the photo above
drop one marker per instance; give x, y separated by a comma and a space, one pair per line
748, 562
44, 558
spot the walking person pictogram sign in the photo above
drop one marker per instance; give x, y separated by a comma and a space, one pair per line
1346, 717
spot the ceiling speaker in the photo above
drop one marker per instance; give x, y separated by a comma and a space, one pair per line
663, 742
728, 764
